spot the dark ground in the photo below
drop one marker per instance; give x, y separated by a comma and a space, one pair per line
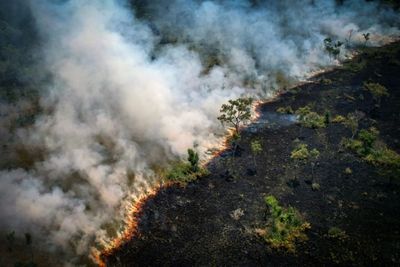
192, 226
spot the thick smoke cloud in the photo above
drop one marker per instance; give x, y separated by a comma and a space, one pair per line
132, 91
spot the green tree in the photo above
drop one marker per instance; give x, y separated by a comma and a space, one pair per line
256, 149
333, 48
193, 158
366, 38
236, 113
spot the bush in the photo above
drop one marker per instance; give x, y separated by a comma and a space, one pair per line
310, 119
285, 226
182, 172
365, 146
377, 90
285, 110
338, 119
337, 233
301, 152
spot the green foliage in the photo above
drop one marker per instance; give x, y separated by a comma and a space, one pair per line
377, 90
184, 172
348, 170
333, 48
310, 119
338, 119
301, 152
337, 233
365, 146
285, 226
285, 110
193, 158
236, 112
256, 147
326, 81
366, 38
352, 122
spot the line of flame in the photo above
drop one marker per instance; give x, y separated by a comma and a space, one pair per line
135, 207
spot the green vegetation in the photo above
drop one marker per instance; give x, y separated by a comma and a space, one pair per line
256, 149
326, 81
285, 226
285, 110
236, 112
338, 119
366, 38
301, 152
309, 118
193, 158
184, 172
377, 90
378, 154
333, 48
337, 233
355, 65
352, 122
348, 170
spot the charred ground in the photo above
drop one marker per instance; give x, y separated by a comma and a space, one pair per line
193, 225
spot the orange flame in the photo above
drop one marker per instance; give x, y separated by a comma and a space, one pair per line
134, 209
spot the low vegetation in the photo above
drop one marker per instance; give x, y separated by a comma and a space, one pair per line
309, 118
285, 110
285, 226
337, 233
372, 151
338, 119
184, 172
377, 90
301, 152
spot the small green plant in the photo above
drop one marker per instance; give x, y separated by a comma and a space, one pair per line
338, 119
256, 149
310, 119
285, 226
326, 81
183, 172
301, 152
333, 48
337, 233
377, 90
348, 171
352, 122
193, 158
366, 38
367, 147
285, 110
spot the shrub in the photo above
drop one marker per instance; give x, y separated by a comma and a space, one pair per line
285, 226
310, 119
338, 119
182, 172
365, 146
193, 158
285, 110
377, 90
337, 233
301, 152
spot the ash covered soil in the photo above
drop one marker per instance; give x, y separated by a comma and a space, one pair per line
193, 225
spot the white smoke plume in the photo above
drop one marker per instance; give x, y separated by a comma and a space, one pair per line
130, 92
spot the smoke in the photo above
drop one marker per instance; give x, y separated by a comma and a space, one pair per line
130, 92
